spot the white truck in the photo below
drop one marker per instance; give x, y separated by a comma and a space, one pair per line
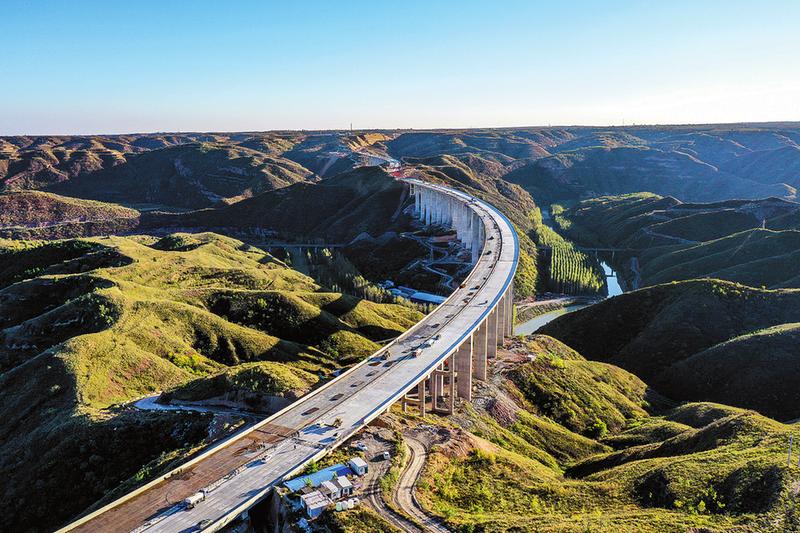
194, 499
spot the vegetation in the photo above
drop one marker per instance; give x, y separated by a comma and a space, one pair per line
359, 520
695, 466
752, 242
253, 380
569, 270
704, 340
89, 324
586, 397
26, 214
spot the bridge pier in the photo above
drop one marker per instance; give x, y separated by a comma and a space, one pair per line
479, 351
443, 387
464, 369
491, 335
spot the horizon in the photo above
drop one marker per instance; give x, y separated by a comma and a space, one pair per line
762, 124
89, 67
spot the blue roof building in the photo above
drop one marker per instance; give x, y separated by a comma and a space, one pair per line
317, 478
427, 298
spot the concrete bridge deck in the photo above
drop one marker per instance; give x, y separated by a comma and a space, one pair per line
466, 329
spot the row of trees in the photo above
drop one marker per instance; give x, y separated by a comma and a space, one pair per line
570, 271
334, 271
573, 272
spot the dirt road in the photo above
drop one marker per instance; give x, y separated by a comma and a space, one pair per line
405, 492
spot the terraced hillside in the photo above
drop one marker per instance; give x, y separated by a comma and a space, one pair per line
172, 171
191, 170
693, 163
88, 325
753, 242
25, 214
565, 444
698, 340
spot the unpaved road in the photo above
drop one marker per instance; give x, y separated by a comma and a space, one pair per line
405, 492
377, 442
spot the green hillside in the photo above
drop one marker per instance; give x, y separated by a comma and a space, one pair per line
189, 175
89, 324
753, 242
26, 214
678, 336
698, 466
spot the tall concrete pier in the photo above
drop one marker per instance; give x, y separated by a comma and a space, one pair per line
435, 205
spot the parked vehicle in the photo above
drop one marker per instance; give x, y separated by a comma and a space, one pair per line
360, 446
417, 352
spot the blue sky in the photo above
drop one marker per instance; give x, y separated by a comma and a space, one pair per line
108, 67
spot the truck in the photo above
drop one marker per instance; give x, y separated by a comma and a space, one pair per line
194, 499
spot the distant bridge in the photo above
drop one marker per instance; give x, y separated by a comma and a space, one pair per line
591, 249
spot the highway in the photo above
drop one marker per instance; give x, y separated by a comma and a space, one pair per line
240, 471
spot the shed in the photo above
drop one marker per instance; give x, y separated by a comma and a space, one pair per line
331, 489
426, 298
345, 487
358, 465
314, 503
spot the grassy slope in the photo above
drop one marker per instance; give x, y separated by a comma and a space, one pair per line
586, 397
659, 332
190, 175
676, 241
697, 465
87, 324
336, 209
33, 208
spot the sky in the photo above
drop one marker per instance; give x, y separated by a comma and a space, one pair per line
89, 67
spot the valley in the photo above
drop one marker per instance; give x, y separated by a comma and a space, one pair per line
225, 276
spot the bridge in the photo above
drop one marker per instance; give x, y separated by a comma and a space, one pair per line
456, 341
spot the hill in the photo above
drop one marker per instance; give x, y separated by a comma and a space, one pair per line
87, 325
755, 242
173, 171
594, 171
336, 210
32, 213
699, 340
188, 175
191, 170
515, 462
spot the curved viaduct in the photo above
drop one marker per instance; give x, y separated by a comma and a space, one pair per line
465, 331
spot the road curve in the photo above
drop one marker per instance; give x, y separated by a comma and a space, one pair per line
405, 491
239, 472
374, 495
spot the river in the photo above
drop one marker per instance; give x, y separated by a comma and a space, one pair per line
614, 289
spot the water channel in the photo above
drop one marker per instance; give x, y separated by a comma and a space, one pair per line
613, 289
